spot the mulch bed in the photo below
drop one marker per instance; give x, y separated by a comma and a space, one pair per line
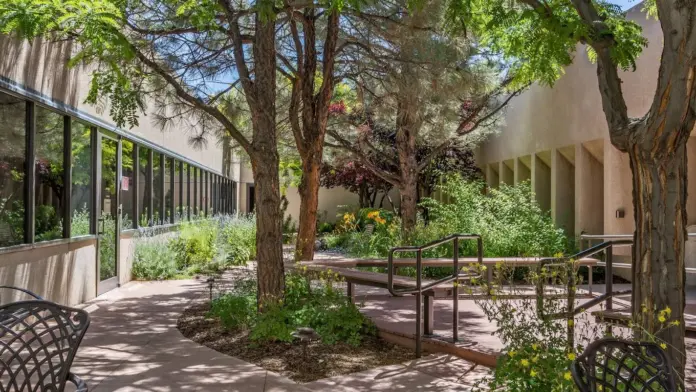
319, 361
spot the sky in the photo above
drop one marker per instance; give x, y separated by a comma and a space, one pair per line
625, 4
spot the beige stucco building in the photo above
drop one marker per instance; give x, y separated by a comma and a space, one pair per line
71, 243
558, 139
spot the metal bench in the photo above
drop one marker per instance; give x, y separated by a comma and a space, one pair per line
38, 342
613, 365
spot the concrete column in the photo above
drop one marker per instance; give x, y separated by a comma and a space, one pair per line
618, 188
589, 192
541, 182
522, 172
506, 174
618, 196
492, 178
562, 192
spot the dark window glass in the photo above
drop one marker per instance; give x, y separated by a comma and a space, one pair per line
12, 158
127, 171
81, 188
177, 191
49, 185
186, 203
157, 194
144, 187
193, 190
168, 190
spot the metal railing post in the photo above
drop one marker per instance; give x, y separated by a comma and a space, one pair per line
609, 276
419, 301
455, 292
570, 306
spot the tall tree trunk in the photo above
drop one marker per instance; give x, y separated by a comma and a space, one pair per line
659, 194
315, 115
269, 231
309, 204
656, 145
408, 165
265, 164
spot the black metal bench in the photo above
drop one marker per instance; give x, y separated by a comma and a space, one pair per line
38, 342
613, 365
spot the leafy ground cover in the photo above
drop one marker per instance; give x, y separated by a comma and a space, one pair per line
348, 341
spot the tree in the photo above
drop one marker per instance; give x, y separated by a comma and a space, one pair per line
354, 176
358, 178
185, 56
429, 86
308, 63
538, 39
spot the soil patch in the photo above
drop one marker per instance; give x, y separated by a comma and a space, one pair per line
319, 360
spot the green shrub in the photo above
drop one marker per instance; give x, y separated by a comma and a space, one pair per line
195, 245
510, 221
321, 307
324, 308
326, 227
238, 239
154, 260
235, 311
79, 224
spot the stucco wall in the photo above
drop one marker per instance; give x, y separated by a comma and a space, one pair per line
41, 66
330, 202
543, 118
64, 272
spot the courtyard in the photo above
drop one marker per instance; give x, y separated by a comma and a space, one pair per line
458, 195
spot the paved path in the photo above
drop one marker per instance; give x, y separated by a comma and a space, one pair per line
133, 345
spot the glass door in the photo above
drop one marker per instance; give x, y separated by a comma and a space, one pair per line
108, 224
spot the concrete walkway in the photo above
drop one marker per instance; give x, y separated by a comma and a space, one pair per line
133, 345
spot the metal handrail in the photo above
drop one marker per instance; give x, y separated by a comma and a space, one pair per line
609, 284
419, 289
571, 309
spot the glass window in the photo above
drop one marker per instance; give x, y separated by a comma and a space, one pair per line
12, 161
177, 190
48, 168
201, 193
127, 195
187, 192
208, 193
168, 190
157, 194
194, 192
81, 188
144, 187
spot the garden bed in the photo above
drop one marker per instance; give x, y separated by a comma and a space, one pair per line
319, 361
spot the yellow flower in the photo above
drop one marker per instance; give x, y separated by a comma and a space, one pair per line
664, 346
570, 323
675, 322
567, 376
532, 373
535, 346
571, 356
662, 318
535, 359
524, 363
512, 353
668, 310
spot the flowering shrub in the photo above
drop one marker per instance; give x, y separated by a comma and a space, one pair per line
540, 341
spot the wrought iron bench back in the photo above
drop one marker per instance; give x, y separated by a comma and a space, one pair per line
610, 365
38, 342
